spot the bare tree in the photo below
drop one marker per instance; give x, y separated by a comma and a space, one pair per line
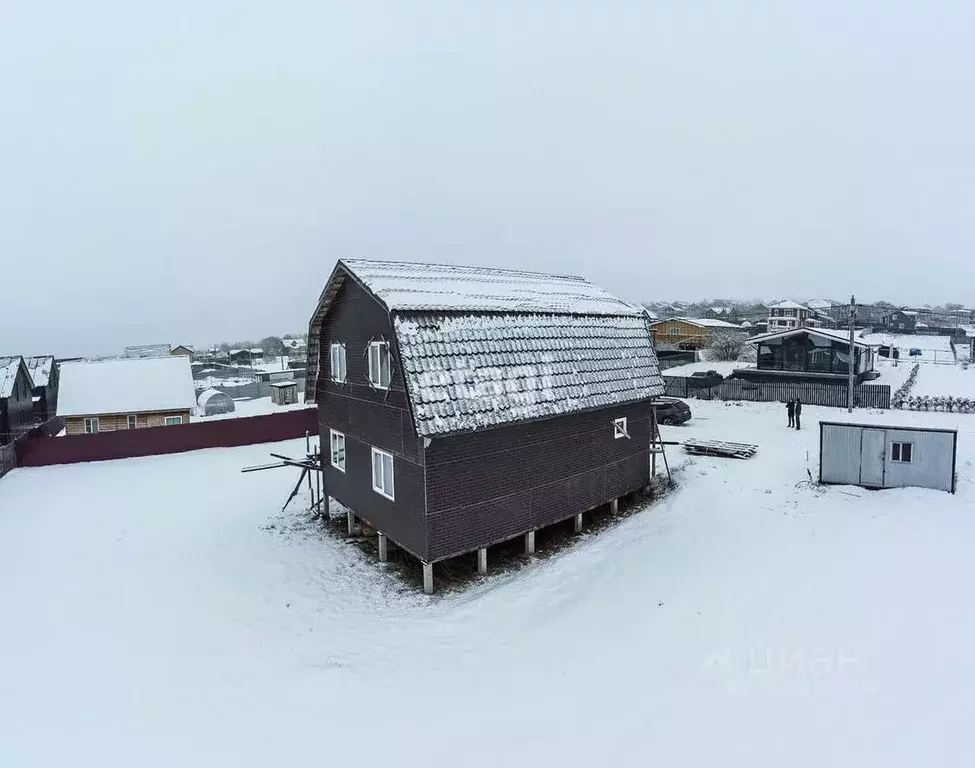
725, 347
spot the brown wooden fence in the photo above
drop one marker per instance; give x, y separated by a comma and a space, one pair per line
811, 393
154, 441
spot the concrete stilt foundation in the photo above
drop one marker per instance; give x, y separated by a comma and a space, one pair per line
614, 506
482, 561
428, 578
383, 552
352, 525
530, 543
578, 523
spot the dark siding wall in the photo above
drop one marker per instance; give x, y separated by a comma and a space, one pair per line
370, 418
491, 485
18, 415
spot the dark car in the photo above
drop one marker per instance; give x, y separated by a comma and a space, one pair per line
670, 410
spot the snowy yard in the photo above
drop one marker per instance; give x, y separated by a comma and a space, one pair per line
724, 368
934, 380
257, 406
163, 611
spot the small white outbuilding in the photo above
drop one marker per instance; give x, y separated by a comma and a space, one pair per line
879, 456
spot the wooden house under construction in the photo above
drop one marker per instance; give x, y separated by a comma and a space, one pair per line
461, 407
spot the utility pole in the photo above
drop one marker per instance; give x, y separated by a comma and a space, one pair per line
849, 385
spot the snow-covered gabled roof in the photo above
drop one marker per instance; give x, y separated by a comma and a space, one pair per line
473, 371
827, 333
406, 286
819, 303
787, 304
40, 369
129, 385
9, 366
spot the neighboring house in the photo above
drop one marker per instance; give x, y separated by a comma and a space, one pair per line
247, 357
292, 346
146, 350
16, 398
182, 349
809, 354
898, 320
131, 393
786, 315
44, 373
463, 407
689, 333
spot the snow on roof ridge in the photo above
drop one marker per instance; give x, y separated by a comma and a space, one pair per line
406, 286
470, 267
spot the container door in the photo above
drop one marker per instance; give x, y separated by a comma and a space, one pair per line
873, 452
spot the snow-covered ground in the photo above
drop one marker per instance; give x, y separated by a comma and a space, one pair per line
891, 374
257, 406
163, 611
953, 380
724, 368
215, 381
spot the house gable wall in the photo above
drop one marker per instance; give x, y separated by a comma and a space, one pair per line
17, 411
369, 417
491, 485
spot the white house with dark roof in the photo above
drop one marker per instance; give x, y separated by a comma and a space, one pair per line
127, 393
462, 406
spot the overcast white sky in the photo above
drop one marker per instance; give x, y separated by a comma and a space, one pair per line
190, 171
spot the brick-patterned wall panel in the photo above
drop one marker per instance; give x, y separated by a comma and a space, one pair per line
488, 486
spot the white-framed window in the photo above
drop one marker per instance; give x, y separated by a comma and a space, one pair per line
382, 473
339, 370
337, 443
91, 425
619, 428
675, 331
133, 421
379, 373
902, 453
172, 421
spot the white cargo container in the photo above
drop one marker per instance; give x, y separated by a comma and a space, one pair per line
877, 456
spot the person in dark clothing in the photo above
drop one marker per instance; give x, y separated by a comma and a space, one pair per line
790, 407
798, 411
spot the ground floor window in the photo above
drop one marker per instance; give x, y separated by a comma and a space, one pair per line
382, 473
901, 452
133, 421
337, 440
172, 421
91, 425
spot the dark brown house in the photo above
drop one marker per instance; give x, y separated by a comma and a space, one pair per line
461, 407
16, 399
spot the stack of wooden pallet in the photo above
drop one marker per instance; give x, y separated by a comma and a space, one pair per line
720, 448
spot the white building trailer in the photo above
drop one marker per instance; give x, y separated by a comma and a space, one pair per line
877, 456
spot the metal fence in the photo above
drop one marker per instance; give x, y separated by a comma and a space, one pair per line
250, 391
810, 393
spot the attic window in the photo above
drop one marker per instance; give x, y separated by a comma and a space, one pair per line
379, 371
339, 370
675, 331
619, 429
